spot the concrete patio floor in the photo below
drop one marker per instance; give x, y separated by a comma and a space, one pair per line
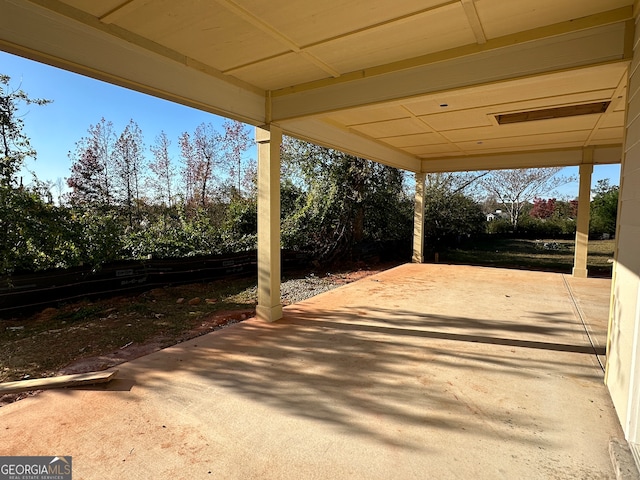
422, 371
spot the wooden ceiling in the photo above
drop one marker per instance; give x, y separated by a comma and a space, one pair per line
412, 83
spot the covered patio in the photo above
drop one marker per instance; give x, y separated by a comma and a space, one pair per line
422, 371
426, 86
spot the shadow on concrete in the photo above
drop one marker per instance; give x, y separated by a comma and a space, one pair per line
330, 367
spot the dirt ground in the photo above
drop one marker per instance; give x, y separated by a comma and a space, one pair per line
95, 335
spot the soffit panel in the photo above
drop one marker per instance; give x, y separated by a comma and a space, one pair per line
613, 119
94, 8
555, 125
308, 22
544, 147
611, 133
213, 35
485, 116
454, 165
370, 114
603, 77
415, 140
500, 17
274, 72
433, 150
524, 142
429, 32
475, 130
391, 128
550, 102
621, 105
458, 119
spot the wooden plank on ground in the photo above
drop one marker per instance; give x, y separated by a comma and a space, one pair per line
62, 381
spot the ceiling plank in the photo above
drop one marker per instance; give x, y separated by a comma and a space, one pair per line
276, 34
442, 137
259, 23
123, 10
474, 20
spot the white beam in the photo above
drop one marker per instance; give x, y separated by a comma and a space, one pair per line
331, 136
496, 60
474, 20
72, 40
541, 158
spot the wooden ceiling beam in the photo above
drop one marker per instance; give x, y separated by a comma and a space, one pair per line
474, 20
123, 10
616, 98
331, 136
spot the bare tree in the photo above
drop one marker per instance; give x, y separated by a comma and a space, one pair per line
235, 142
128, 159
456, 182
59, 189
200, 155
91, 169
163, 179
515, 188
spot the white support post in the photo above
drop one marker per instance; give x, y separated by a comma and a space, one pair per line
269, 305
418, 220
584, 208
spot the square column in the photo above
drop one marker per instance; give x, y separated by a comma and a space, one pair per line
269, 305
582, 225
418, 220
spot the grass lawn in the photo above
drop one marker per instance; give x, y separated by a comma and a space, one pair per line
551, 255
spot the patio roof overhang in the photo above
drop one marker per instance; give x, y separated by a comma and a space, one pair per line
419, 86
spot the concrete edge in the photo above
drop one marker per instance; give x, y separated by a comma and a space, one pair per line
624, 465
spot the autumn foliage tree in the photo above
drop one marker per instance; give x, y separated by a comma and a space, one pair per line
542, 208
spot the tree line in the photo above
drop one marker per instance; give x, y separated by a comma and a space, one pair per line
128, 200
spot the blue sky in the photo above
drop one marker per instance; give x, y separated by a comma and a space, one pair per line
79, 102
